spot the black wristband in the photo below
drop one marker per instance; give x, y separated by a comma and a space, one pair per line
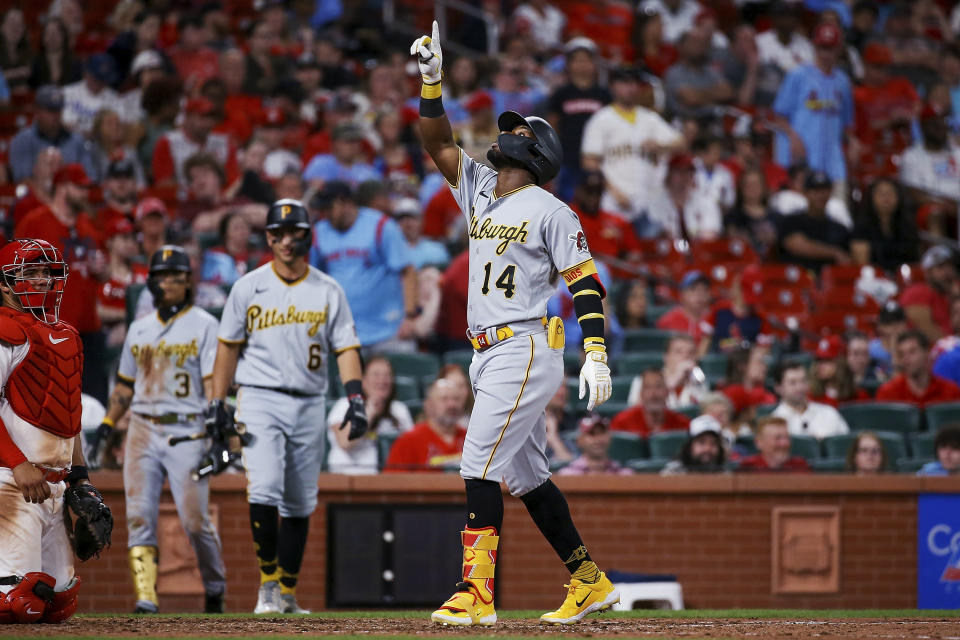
77, 472
353, 388
431, 107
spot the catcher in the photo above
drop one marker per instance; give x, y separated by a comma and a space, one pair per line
41, 460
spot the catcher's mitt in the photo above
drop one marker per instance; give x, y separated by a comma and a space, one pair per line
90, 534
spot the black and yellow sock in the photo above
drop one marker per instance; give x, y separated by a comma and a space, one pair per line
293, 542
264, 524
550, 512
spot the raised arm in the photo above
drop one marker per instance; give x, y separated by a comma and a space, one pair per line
435, 130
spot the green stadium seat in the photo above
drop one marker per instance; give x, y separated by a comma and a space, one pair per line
921, 444
746, 444
608, 408
406, 388
207, 240
714, 365
384, 442
556, 465
133, 295
667, 444
646, 340
893, 443
656, 311
573, 391
633, 364
651, 465
625, 446
911, 465
414, 365
805, 446
572, 362
415, 407
690, 410
462, 357
764, 410
941, 414
829, 465
621, 388
870, 386
882, 416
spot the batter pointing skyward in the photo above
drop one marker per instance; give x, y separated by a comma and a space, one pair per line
522, 239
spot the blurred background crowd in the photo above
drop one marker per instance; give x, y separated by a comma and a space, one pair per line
771, 189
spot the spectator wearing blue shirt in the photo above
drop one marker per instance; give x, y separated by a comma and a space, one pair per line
947, 449
561, 304
815, 110
510, 91
366, 253
46, 131
346, 163
423, 252
225, 263
946, 351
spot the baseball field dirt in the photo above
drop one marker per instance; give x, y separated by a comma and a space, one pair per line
687, 624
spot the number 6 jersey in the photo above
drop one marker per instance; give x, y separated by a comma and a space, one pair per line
288, 329
166, 362
519, 244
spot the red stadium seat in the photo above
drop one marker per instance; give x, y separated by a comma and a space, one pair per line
728, 250
781, 301
848, 300
844, 275
785, 275
839, 322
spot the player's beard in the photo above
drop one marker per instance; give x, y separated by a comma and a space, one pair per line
499, 160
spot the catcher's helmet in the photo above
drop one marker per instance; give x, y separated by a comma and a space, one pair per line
541, 156
169, 257
37, 292
290, 213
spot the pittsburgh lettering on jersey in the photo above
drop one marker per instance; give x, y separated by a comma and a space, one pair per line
260, 318
145, 353
506, 233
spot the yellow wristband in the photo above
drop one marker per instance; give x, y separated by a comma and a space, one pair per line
594, 346
107, 421
430, 91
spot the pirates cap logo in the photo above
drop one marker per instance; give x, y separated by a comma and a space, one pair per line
284, 211
166, 254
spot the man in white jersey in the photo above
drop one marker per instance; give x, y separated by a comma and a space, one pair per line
522, 239
164, 379
628, 143
281, 325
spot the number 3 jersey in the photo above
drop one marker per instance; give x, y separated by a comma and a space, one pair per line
519, 244
166, 362
287, 330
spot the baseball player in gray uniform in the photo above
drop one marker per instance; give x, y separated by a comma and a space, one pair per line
522, 239
280, 326
164, 379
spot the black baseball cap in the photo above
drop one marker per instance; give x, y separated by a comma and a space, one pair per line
331, 191
625, 72
818, 180
121, 168
891, 312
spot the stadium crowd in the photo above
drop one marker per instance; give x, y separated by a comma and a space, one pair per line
772, 189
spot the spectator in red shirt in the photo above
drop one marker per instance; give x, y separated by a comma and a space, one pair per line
121, 245
831, 379
151, 219
688, 316
119, 194
65, 224
436, 443
927, 304
610, 237
915, 383
451, 325
195, 135
746, 374
194, 60
651, 415
772, 439
208, 201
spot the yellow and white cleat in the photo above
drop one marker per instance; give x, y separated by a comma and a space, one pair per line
464, 608
582, 599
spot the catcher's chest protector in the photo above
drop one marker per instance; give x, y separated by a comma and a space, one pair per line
44, 389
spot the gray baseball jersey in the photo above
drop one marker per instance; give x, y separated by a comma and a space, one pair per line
519, 243
288, 330
166, 362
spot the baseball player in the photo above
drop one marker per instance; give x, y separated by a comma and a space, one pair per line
521, 240
164, 379
281, 325
41, 459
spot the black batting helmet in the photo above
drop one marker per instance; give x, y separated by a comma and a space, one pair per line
541, 156
290, 213
169, 257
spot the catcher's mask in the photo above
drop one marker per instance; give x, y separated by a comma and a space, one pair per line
36, 274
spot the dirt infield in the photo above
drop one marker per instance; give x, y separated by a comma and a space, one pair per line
307, 626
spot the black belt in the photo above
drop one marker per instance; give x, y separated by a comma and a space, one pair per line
170, 418
290, 392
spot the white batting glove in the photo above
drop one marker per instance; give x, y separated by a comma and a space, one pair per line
427, 50
595, 374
